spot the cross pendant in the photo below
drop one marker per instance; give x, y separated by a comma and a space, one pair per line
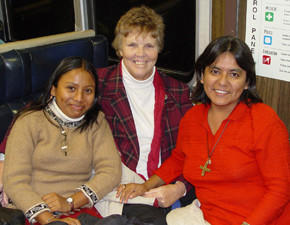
204, 168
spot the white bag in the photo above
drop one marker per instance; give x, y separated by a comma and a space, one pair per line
110, 205
188, 215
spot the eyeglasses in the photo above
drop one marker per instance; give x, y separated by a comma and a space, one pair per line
64, 142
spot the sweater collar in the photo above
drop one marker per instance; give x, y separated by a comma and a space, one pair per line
238, 111
56, 114
236, 114
57, 111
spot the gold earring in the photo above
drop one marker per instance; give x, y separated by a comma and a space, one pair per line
50, 98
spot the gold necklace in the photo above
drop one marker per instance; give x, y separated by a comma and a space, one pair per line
208, 161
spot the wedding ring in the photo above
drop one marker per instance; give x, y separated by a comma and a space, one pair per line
124, 185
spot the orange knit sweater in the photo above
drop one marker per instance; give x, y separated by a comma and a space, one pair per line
250, 166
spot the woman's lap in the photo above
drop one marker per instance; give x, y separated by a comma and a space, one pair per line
147, 213
91, 211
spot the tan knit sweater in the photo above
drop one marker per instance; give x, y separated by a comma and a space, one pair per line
35, 164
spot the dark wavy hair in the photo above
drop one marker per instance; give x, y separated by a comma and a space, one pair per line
66, 65
244, 58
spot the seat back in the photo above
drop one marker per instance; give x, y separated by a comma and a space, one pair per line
24, 72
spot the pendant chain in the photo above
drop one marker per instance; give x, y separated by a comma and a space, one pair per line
64, 142
209, 155
208, 161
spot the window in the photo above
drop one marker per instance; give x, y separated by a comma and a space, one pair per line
35, 18
178, 55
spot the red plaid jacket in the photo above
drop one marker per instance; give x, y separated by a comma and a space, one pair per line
115, 105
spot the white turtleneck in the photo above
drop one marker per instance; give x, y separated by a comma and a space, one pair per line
57, 111
141, 97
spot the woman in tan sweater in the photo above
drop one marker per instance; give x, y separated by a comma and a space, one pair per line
56, 143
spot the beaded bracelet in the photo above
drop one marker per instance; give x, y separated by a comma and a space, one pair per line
245, 223
47, 221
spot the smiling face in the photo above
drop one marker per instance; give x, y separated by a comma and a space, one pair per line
75, 92
140, 53
224, 82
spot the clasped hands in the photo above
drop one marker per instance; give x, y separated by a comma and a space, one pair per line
56, 203
166, 195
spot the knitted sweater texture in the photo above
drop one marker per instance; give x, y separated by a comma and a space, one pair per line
250, 166
35, 164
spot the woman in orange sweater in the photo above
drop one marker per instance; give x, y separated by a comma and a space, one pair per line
233, 148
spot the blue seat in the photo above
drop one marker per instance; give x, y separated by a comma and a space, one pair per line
24, 72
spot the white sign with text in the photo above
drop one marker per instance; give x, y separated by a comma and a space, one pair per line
268, 36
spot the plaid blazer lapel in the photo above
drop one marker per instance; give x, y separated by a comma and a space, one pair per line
120, 105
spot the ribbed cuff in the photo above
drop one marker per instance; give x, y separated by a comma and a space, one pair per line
91, 195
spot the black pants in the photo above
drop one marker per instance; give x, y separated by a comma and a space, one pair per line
148, 214
188, 198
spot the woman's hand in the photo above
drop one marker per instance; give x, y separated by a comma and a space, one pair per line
68, 220
3, 197
46, 218
132, 190
129, 191
56, 203
119, 189
167, 194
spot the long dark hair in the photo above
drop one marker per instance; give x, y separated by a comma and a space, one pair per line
243, 55
66, 65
